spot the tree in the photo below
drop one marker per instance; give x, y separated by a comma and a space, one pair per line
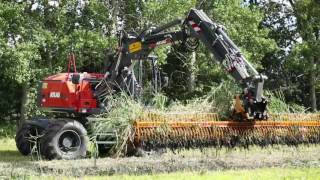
308, 26
243, 23
19, 57
295, 27
36, 37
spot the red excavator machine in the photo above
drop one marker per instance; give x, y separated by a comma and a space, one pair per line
76, 96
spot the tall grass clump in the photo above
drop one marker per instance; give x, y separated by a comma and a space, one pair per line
219, 100
122, 111
277, 103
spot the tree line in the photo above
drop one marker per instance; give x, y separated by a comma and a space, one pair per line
281, 38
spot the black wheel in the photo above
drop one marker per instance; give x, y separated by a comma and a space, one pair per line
64, 139
24, 140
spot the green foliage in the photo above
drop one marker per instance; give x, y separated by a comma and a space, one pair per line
295, 27
159, 101
35, 40
243, 24
7, 130
277, 104
160, 12
36, 37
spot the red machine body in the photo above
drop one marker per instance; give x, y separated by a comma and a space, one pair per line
60, 93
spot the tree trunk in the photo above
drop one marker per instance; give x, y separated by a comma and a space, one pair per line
313, 64
115, 5
192, 76
24, 100
313, 76
313, 98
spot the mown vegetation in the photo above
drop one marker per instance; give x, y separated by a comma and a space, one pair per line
263, 174
124, 111
278, 162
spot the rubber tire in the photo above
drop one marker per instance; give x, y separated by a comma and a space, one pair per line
23, 145
49, 142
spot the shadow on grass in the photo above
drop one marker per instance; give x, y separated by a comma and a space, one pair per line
12, 156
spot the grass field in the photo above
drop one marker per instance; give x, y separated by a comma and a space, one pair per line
279, 162
260, 174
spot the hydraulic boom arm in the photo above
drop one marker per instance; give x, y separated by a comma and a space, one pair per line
227, 53
197, 25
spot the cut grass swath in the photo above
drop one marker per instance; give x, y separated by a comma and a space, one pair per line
193, 125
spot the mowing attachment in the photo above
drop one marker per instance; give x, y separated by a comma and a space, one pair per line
188, 130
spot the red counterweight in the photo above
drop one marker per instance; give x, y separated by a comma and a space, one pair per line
70, 92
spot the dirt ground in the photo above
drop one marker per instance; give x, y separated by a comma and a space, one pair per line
184, 160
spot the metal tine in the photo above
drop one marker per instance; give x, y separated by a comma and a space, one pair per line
188, 127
